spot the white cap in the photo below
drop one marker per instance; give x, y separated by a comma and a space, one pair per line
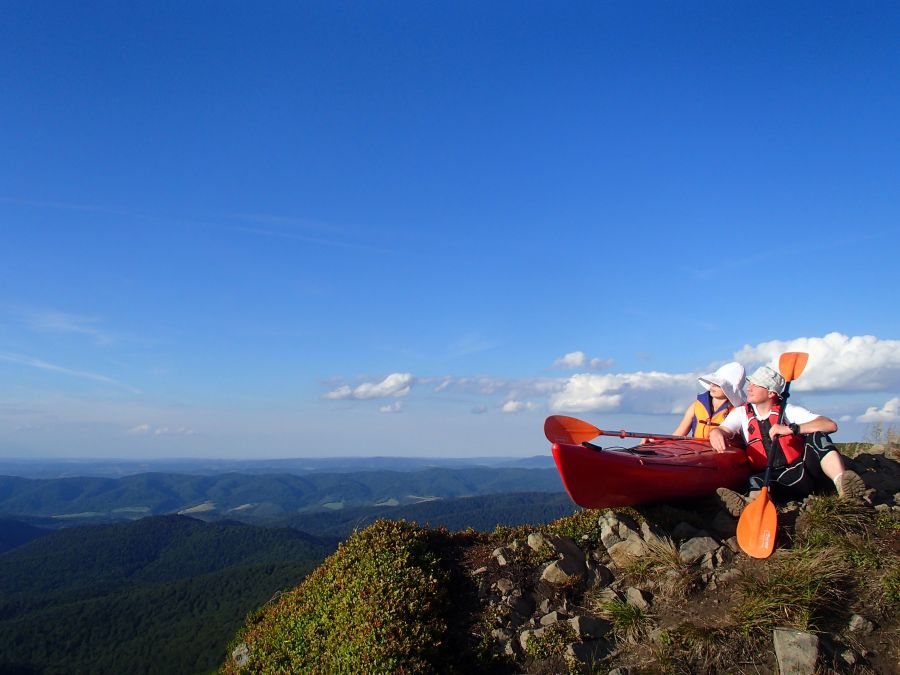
768, 378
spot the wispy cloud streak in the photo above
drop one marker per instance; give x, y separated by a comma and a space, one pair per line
32, 362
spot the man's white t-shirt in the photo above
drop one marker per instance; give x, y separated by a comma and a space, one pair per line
737, 418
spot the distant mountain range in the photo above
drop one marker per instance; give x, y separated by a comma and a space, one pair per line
255, 497
116, 468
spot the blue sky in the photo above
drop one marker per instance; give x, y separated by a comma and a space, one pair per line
328, 228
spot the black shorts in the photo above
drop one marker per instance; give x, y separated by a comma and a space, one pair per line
804, 476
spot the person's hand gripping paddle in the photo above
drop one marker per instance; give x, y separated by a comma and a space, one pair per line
759, 520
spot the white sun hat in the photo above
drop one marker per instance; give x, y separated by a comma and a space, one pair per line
731, 378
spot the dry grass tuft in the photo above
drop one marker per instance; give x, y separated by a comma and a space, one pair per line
661, 566
828, 519
802, 589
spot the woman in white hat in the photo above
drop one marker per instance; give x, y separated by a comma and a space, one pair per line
724, 391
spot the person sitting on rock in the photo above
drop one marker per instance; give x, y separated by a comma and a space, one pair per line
804, 453
724, 391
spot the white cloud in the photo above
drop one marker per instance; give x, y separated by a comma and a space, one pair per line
395, 384
166, 431
640, 392
836, 362
148, 430
395, 407
580, 360
889, 412
571, 360
519, 406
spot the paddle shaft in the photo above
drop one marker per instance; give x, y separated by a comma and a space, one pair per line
636, 434
784, 399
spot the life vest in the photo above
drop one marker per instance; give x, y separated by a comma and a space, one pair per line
705, 418
788, 449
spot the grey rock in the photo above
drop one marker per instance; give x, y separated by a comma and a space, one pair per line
609, 535
505, 585
860, 624
562, 571
511, 648
628, 550
529, 633
502, 634
479, 571
608, 595
797, 652
694, 549
728, 576
723, 556
552, 617
651, 531
501, 555
536, 541
241, 654
589, 627
619, 671
567, 549
849, 657
599, 576
638, 598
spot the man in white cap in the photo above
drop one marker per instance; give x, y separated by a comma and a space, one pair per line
803, 450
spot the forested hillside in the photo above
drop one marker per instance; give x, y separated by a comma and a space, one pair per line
483, 513
160, 595
14, 533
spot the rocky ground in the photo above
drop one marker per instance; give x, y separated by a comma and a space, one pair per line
667, 589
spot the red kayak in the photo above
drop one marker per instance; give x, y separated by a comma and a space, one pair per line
661, 470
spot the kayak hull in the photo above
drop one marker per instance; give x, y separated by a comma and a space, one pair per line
658, 471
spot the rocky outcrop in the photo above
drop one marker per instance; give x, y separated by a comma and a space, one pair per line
548, 598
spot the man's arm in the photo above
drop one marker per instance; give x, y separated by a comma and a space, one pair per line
820, 423
720, 435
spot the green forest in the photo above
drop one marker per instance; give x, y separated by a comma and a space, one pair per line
160, 595
165, 594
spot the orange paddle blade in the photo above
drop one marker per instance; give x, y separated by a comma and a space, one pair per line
792, 364
756, 528
562, 429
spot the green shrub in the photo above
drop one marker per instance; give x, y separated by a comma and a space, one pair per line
371, 607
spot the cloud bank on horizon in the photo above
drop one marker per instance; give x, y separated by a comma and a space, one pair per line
837, 364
